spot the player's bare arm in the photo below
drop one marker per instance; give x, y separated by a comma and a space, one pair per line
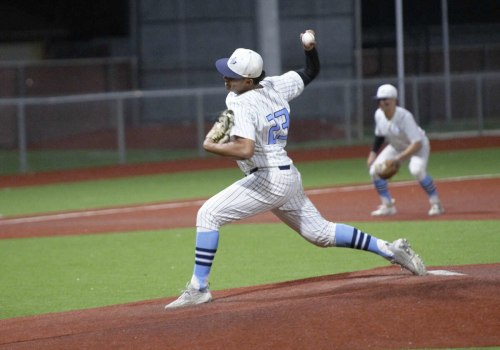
371, 158
409, 151
238, 148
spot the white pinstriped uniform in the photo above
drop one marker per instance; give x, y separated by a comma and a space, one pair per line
400, 132
271, 182
262, 115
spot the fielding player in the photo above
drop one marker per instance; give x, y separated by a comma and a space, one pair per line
406, 141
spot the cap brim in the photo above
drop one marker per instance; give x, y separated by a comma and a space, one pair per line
382, 98
221, 65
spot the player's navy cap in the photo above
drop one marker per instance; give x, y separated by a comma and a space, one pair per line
243, 63
386, 91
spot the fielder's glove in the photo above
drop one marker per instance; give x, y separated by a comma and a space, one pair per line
222, 127
387, 169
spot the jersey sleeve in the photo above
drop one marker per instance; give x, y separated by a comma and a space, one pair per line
377, 116
244, 120
288, 85
411, 128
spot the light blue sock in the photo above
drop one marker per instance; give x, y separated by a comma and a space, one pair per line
428, 185
206, 247
350, 237
382, 189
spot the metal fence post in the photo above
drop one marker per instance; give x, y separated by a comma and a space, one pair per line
22, 137
120, 132
348, 111
479, 101
200, 124
414, 94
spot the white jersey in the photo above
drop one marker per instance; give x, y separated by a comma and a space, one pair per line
263, 115
401, 130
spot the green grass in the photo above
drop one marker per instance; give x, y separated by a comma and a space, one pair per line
42, 275
122, 191
153, 188
50, 160
441, 165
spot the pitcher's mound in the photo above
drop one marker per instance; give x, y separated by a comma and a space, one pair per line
383, 308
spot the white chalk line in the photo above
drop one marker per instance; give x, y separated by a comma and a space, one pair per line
445, 273
397, 184
184, 204
99, 212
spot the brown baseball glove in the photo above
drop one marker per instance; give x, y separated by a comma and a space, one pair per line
387, 169
220, 132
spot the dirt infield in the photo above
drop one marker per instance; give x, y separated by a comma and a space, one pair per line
383, 308
466, 199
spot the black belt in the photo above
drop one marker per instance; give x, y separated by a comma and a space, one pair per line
281, 167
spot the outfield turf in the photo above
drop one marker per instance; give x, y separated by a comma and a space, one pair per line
40, 275
200, 184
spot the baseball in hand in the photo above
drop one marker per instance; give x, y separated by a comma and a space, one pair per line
308, 38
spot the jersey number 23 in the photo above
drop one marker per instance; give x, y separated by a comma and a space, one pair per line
280, 121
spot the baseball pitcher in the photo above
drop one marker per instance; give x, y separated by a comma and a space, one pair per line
271, 182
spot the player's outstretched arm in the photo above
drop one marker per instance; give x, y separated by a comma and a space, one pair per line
409, 151
312, 67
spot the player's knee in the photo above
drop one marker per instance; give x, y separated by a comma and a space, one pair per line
322, 238
417, 171
206, 218
321, 242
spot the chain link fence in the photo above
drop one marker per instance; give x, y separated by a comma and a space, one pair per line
98, 129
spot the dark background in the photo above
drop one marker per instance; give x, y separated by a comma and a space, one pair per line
60, 19
52, 20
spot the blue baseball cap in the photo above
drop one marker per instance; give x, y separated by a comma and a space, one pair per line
243, 63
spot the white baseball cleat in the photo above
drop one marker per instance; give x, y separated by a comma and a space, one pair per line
405, 257
436, 209
191, 296
385, 209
